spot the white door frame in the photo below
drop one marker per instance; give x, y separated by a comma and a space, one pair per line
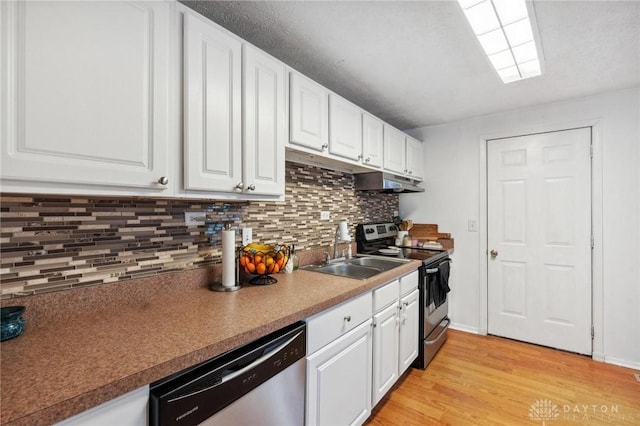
596, 224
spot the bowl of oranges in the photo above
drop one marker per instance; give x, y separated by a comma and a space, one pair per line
262, 260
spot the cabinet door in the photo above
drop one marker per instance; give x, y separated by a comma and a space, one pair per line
345, 128
309, 113
85, 94
372, 140
394, 150
263, 123
339, 380
409, 339
415, 159
212, 109
385, 351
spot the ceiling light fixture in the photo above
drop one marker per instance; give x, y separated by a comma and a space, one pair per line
504, 31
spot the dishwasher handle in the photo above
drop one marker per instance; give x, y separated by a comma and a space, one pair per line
230, 374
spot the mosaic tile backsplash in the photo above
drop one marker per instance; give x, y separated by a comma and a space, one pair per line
50, 243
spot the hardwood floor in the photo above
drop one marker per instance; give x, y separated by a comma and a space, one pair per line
487, 380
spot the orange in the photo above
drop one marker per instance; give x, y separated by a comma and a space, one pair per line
276, 268
257, 259
243, 260
251, 267
261, 269
271, 267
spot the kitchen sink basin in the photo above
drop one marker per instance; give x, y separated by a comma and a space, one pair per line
376, 262
359, 268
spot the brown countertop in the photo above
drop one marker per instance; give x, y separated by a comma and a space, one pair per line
80, 350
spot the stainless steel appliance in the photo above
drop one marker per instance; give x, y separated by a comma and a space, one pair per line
434, 276
261, 383
385, 182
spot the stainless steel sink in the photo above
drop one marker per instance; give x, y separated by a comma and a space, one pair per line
359, 268
376, 262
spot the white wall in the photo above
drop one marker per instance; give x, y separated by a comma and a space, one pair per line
453, 168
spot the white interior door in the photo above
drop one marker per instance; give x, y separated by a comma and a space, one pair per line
539, 238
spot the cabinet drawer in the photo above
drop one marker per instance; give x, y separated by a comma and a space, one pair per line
331, 324
386, 295
409, 282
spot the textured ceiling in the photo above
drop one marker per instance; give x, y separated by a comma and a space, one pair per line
416, 63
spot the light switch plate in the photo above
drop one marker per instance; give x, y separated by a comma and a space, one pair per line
194, 218
247, 236
473, 225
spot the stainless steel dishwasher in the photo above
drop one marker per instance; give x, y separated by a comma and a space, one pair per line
260, 383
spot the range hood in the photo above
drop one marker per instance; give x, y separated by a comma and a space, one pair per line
385, 182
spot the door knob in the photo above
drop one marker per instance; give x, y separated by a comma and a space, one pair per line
493, 253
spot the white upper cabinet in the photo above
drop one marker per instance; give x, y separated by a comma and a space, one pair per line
415, 158
402, 154
345, 128
394, 150
372, 140
308, 113
264, 96
85, 97
212, 107
234, 109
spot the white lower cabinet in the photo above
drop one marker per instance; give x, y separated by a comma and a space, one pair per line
385, 350
339, 380
408, 339
339, 364
395, 332
127, 410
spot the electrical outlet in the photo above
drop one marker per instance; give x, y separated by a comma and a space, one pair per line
193, 218
396, 213
472, 225
247, 236
325, 215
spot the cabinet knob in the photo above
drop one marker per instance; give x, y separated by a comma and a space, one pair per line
410, 172
367, 160
251, 187
405, 304
239, 186
347, 318
325, 146
163, 180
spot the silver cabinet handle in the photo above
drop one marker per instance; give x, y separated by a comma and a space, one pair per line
405, 304
367, 160
325, 146
163, 180
347, 318
251, 187
239, 186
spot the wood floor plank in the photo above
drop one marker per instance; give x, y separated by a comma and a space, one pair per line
487, 380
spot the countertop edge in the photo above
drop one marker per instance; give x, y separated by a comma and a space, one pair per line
69, 407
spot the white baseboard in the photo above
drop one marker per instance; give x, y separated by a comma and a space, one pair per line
622, 362
597, 356
465, 328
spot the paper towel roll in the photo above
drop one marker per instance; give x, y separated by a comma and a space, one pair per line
344, 231
228, 258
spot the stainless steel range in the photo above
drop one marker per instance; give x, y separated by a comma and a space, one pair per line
377, 238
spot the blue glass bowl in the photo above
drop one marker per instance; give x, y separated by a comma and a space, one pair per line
11, 322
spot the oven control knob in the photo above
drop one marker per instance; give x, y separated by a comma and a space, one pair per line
368, 231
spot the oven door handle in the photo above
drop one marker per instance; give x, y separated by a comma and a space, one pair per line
444, 328
431, 271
